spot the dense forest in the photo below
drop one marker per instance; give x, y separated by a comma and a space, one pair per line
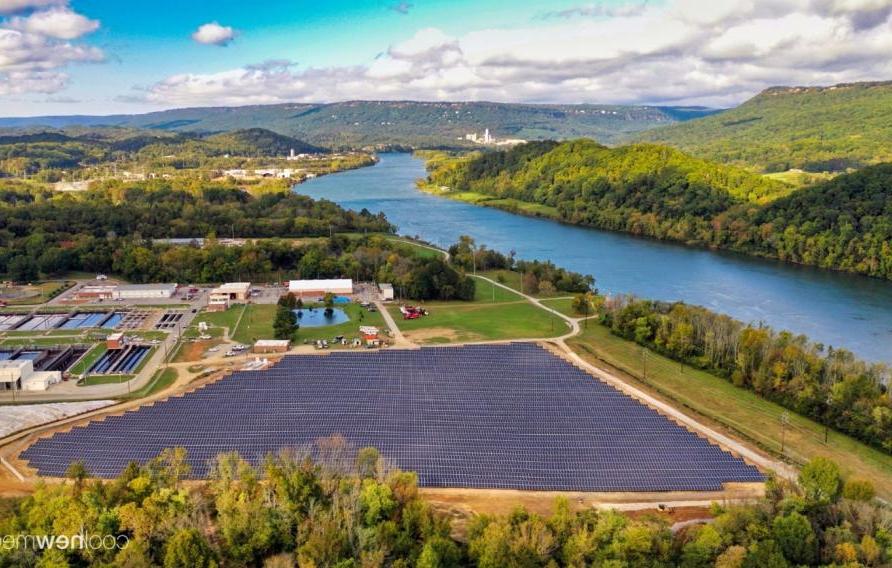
842, 224
332, 505
828, 385
46, 235
815, 129
44, 232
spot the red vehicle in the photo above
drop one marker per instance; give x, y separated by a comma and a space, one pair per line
412, 312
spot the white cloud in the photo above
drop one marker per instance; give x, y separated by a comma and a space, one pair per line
681, 52
214, 34
34, 50
16, 6
59, 23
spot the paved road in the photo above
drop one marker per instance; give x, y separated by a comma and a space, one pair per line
399, 340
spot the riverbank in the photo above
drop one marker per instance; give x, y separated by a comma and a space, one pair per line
836, 309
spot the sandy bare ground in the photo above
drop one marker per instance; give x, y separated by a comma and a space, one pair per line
14, 418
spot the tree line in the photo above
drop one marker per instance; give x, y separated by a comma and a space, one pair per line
110, 229
538, 275
331, 505
841, 224
828, 385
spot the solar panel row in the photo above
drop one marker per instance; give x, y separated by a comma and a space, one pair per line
483, 416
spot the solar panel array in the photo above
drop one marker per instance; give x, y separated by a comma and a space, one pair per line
483, 416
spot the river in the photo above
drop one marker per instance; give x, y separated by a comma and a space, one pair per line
834, 308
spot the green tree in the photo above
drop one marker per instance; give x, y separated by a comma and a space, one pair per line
820, 481
858, 490
188, 548
796, 538
285, 323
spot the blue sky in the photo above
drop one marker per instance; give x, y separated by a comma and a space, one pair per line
107, 56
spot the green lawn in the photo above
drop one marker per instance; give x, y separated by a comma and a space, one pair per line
257, 323
474, 321
162, 379
88, 359
512, 280
487, 293
226, 319
34, 294
563, 305
45, 341
738, 409
415, 248
105, 380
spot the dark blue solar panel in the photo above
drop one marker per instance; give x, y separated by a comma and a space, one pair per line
485, 416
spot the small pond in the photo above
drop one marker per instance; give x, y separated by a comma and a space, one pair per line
315, 317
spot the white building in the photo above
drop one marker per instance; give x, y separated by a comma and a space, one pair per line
144, 291
20, 375
223, 296
303, 288
386, 290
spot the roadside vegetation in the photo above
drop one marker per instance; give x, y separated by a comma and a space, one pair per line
740, 411
828, 385
331, 505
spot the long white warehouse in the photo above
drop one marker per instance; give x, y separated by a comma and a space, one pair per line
319, 287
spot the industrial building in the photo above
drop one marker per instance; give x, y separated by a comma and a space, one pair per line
145, 291
223, 296
303, 288
94, 292
19, 374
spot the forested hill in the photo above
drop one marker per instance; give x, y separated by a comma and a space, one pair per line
659, 192
33, 151
550, 173
810, 128
259, 142
845, 224
408, 123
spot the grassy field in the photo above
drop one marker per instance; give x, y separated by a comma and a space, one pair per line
88, 359
226, 319
45, 341
105, 380
495, 313
563, 305
800, 178
415, 248
163, 378
33, 294
737, 409
257, 323
513, 279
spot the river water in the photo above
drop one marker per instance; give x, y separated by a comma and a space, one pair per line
837, 309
